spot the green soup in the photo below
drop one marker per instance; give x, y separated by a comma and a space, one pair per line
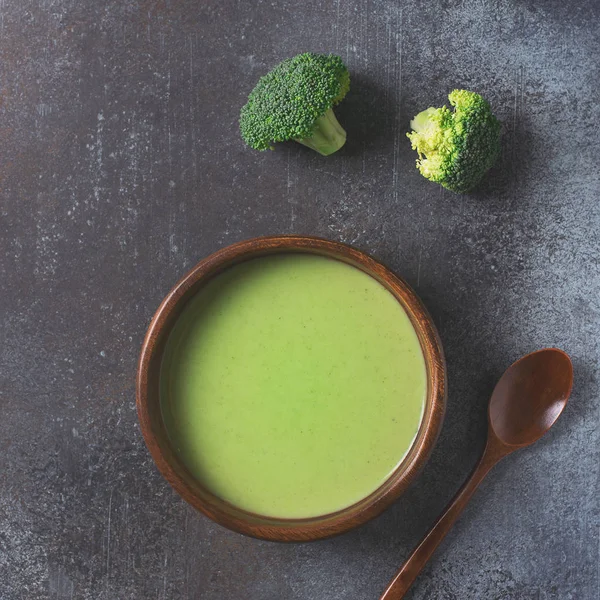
292, 385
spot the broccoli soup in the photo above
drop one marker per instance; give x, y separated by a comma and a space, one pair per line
292, 385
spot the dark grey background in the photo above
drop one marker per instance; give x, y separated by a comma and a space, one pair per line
121, 166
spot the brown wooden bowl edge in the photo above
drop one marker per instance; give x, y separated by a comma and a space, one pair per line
328, 525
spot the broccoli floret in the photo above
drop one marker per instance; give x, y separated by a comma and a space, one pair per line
295, 101
456, 148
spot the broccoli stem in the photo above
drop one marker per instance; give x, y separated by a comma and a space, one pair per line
328, 135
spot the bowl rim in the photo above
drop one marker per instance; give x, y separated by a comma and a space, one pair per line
226, 514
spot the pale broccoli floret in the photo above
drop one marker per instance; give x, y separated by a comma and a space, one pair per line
456, 148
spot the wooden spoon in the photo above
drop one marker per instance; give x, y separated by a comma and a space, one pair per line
524, 405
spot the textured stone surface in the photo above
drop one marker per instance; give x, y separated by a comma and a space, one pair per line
121, 166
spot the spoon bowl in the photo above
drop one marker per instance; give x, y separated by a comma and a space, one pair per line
530, 396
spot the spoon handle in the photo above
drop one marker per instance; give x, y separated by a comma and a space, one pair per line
422, 553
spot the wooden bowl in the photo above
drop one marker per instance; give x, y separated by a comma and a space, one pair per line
286, 530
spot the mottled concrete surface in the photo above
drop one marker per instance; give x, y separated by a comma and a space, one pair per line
121, 166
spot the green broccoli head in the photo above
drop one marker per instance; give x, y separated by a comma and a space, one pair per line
456, 148
295, 101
